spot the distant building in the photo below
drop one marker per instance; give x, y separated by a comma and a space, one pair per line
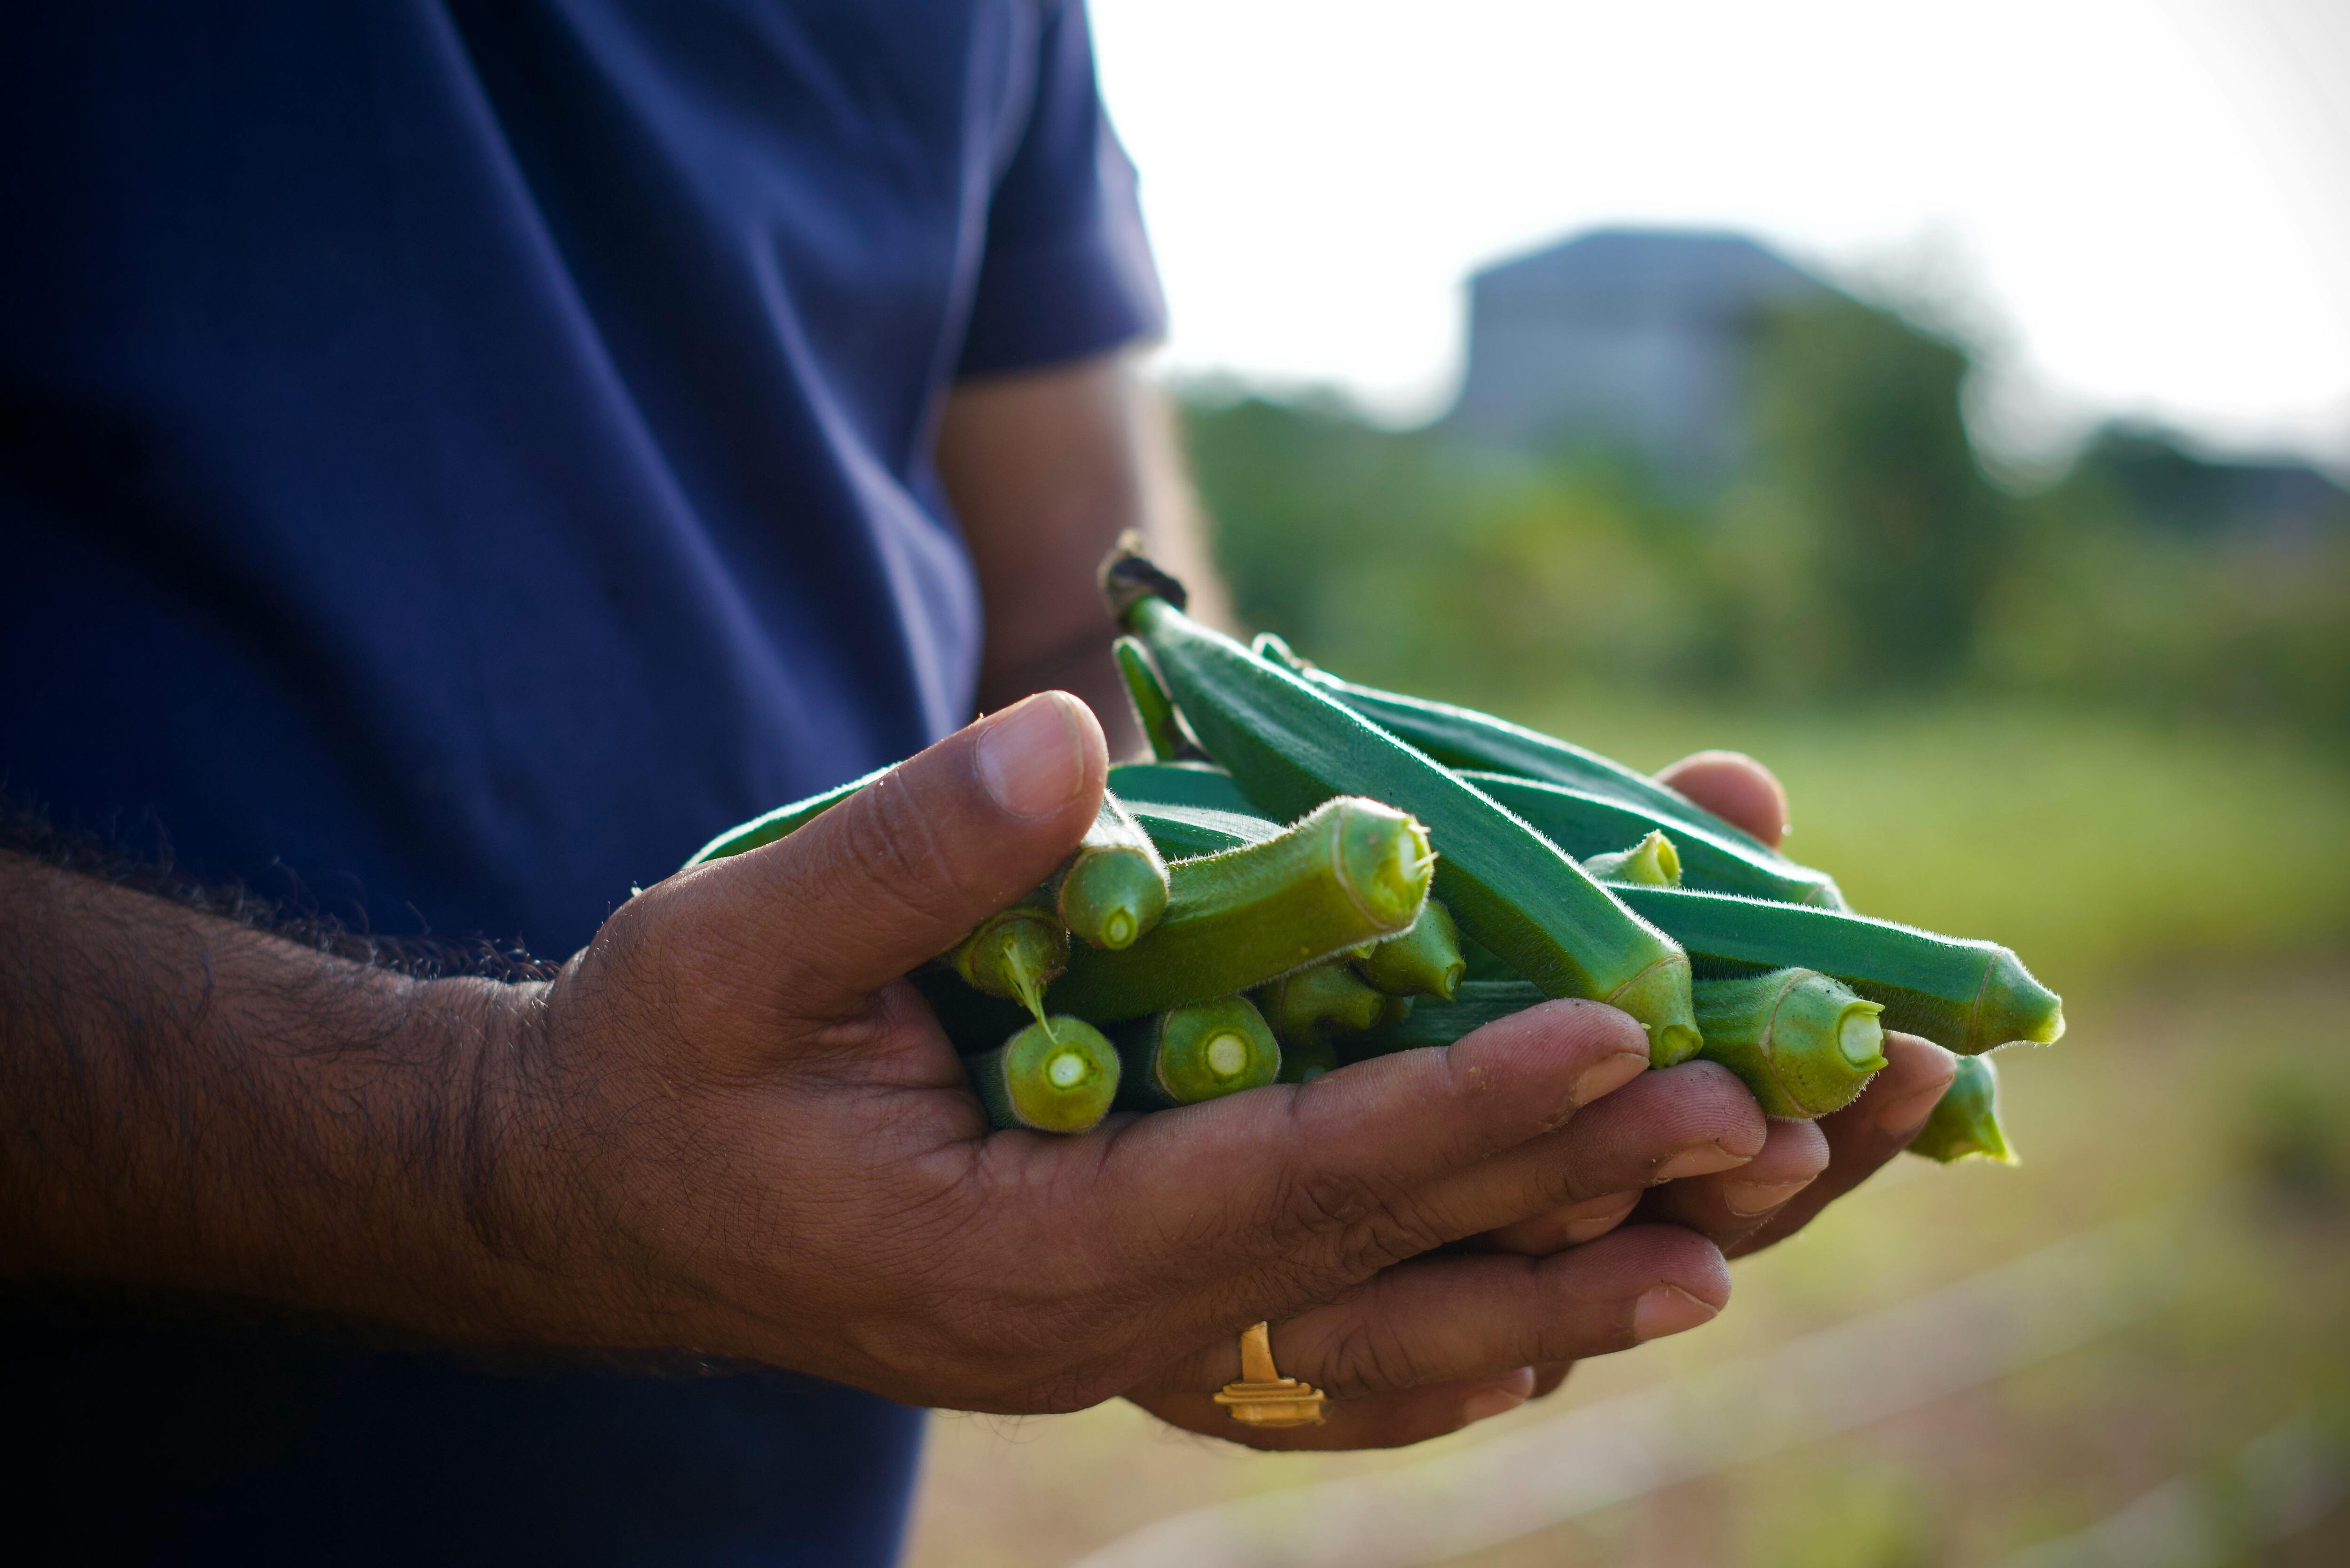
1630, 338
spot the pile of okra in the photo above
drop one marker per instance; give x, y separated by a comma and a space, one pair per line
1314, 872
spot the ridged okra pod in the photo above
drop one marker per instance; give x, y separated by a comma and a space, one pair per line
1424, 962
1014, 953
1324, 1005
1057, 1076
1476, 1003
1289, 745
781, 821
1653, 862
1350, 872
1587, 823
1802, 1042
1200, 1051
1965, 1121
1162, 727
1194, 783
1113, 888
1187, 832
1966, 996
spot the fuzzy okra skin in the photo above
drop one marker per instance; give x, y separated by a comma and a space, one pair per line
1289, 745
1350, 872
1200, 1051
1474, 1005
1057, 1076
1966, 996
1113, 888
1324, 1005
1196, 784
1424, 962
1153, 709
1965, 1121
783, 821
1188, 832
1653, 861
1586, 824
1803, 1043
1014, 953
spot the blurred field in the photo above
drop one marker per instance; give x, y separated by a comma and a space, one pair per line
2188, 890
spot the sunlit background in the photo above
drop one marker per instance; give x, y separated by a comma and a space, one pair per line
1952, 405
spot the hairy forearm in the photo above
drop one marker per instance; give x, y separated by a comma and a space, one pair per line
189, 1102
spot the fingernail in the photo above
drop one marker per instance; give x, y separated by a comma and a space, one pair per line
1666, 1310
1751, 1198
1605, 1077
1030, 758
1606, 1214
1492, 1402
1905, 1115
1703, 1160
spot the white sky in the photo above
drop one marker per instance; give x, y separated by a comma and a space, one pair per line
2139, 206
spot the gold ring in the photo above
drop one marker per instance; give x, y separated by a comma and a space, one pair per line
1263, 1398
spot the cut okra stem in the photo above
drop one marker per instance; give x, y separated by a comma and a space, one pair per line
1153, 709
1802, 1042
1424, 962
1324, 1005
1965, 1121
1057, 1076
1114, 889
1353, 871
1652, 862
1014, 953
1202, 1051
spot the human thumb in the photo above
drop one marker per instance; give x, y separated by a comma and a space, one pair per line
904, 868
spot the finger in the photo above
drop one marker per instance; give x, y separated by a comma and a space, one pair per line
1480, 1315
1729, 1207
904, 869
1549, 1376
1869, 1132
1286, 1195
1560, 1228
1389, 1421
1686, 1121
1734, 787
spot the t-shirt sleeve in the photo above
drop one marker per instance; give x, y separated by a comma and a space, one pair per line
1066, 272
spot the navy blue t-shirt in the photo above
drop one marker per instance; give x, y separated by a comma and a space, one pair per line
454, 459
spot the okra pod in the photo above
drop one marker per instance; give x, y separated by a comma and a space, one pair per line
1965, 1120
1352, 871
1326, 1004
1289, 745
1113, 888
1802, 1042
1424, 962
782, 821
1178, 784
1653, 862
1474, 1005
1057, 1076
1014, 953
1587, 823
1153, 709
1200, 1051
1187, 832
1967, 996
1308, 1062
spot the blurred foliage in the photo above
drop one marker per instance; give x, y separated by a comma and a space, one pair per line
1862, 552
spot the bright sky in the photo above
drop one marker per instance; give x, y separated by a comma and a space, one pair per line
2140, 206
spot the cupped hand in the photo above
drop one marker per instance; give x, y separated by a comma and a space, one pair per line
729, 1127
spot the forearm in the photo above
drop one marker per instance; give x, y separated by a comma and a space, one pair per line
191, 1104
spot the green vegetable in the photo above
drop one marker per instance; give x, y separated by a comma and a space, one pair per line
1289, 746
1653, 862
1014, 953
780, 822
1197, 1052
1464, 738
1057, 1076
1153, 709
1184, 832
1424, 962
1308, 1062
1804, 1043
1965, 1122
1352, 871
1178, 784
1324, 1005
1588, 824
1113, 888
1967, 996
1476, 1003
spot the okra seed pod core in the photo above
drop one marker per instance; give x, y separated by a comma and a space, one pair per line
1055, 1075
1198, 1051
1114, 887
1804, 1043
